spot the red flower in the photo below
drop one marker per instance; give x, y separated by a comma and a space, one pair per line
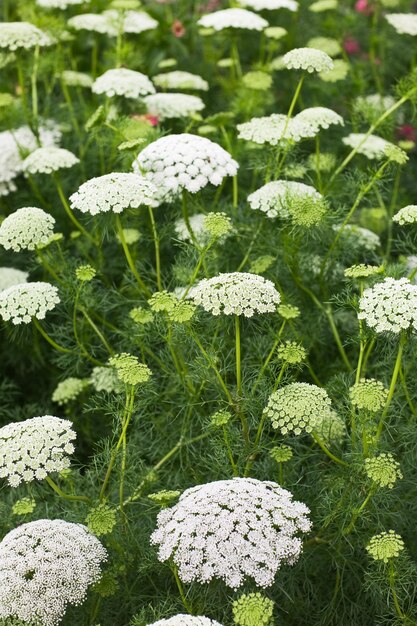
178, 28
351, 46
362, 6
153, 120
407, 132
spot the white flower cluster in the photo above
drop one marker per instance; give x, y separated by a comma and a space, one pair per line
106, 379
309, 59
373, 147
113, 192
32, 449
26, 228
406, 215
373, 102
233, 18
197, 226
123, 82
76, 79
184, 162
233, 530
19, 303
10, 276
44, 566
404, 23
57, 4
134, 22
275, 128
180, 80
320, 117
297, 408
357, 236
15, 35
274, 197
270, 5
237, 293
94, 22
48, 160
171, 105
186, 620
390, 306
68, 390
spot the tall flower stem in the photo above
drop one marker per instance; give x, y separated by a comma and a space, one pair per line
391, 390
391, 581
34, 79
357, 513
238, 356
157, 253
124, 445
129, 259
69, 212
187, 218
49, 339
269, 357
184, 600
326, 450
64, 495
229, 451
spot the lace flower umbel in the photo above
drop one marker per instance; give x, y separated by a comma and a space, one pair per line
45, 566
373, 147
237, 293
184, 162
178, 79
68, 390
308, 59
320, 117
10, 276
16, 35
406, 215
20, 303
404, 23
252, 609
277, 197
270, 5
368, 394
297, 408
275, 128
383, 470
57, 4
26, 228
34, 448
94, 22
233, 18
385, 546
123, 82
390, 306
234, 530
172, 105
48, 160
113, 192
134, 22
186, 620
76, 79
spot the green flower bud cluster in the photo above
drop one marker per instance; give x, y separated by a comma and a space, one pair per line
385, 546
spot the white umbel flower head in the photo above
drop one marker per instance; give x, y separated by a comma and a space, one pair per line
275, 128
48, 160
309, 59
233, 18
171, 105
184, 162
275, 197
57, 4
238, 293
10, 276
45, 566
17, 35
33, 449
134, 22
76, 79
180, 80
123, 82
94, 22
404, 23
373, 147
26, 228
186, 620
320, 117
20, 303
406, 215
113, 192
390, 306
270, 5
233, 530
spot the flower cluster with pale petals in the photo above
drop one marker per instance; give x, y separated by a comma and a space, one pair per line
171, 105
19, 303
234, 530
275, 197
178, 79
404, 23
26, 228
134, 22
390, 306
10, 276
373, 147
186, 620
123, 82
33, 449
275, 128
49, 159
233, 18
94, 22
385, 546
320, 117
45, 566
76, 79
16, 35
270, 5
237, 293
406, 215
308, 59
57, 4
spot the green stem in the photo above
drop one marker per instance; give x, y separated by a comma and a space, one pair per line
124, 446
326, 451
214, 368
187, 218
48, 338
68, 211
157, 254
393, 383
357, 513
238, 356
181, 590
398, 610
97, 331
67, 496
129, 259
34, 78
269, 357
229, 451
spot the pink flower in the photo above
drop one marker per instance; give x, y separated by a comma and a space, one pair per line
178, 28
153, 120
407, 132
362, 6
351, 46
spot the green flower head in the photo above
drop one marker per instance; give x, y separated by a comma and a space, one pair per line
288, 311
383, 470
368, 394
252, 609
164, 497
291, 352
141, 316
217, 225
162, 301
101, 520
24, 506
385, 546
85, 273
281, 454
129, 370
220, 418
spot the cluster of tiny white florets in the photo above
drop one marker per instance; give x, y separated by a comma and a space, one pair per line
233, 530
308, 59
113, 192
275, 197
197, 227
68, 389
404, 23
57, 4
406, 215
275, 128
186, 620
357, 236
383, 470
130, 21
48, 160
390, 306
373, 147
270, 5
368, 394
180, 80
44, 566
15, 35
237, 293
26, 228
10, 276
171, 105
94, 22
184, 162
76, 79
233, 18
105, 379
32, 449
123, 82
19, 303
297, 408
385, 546
320, 117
